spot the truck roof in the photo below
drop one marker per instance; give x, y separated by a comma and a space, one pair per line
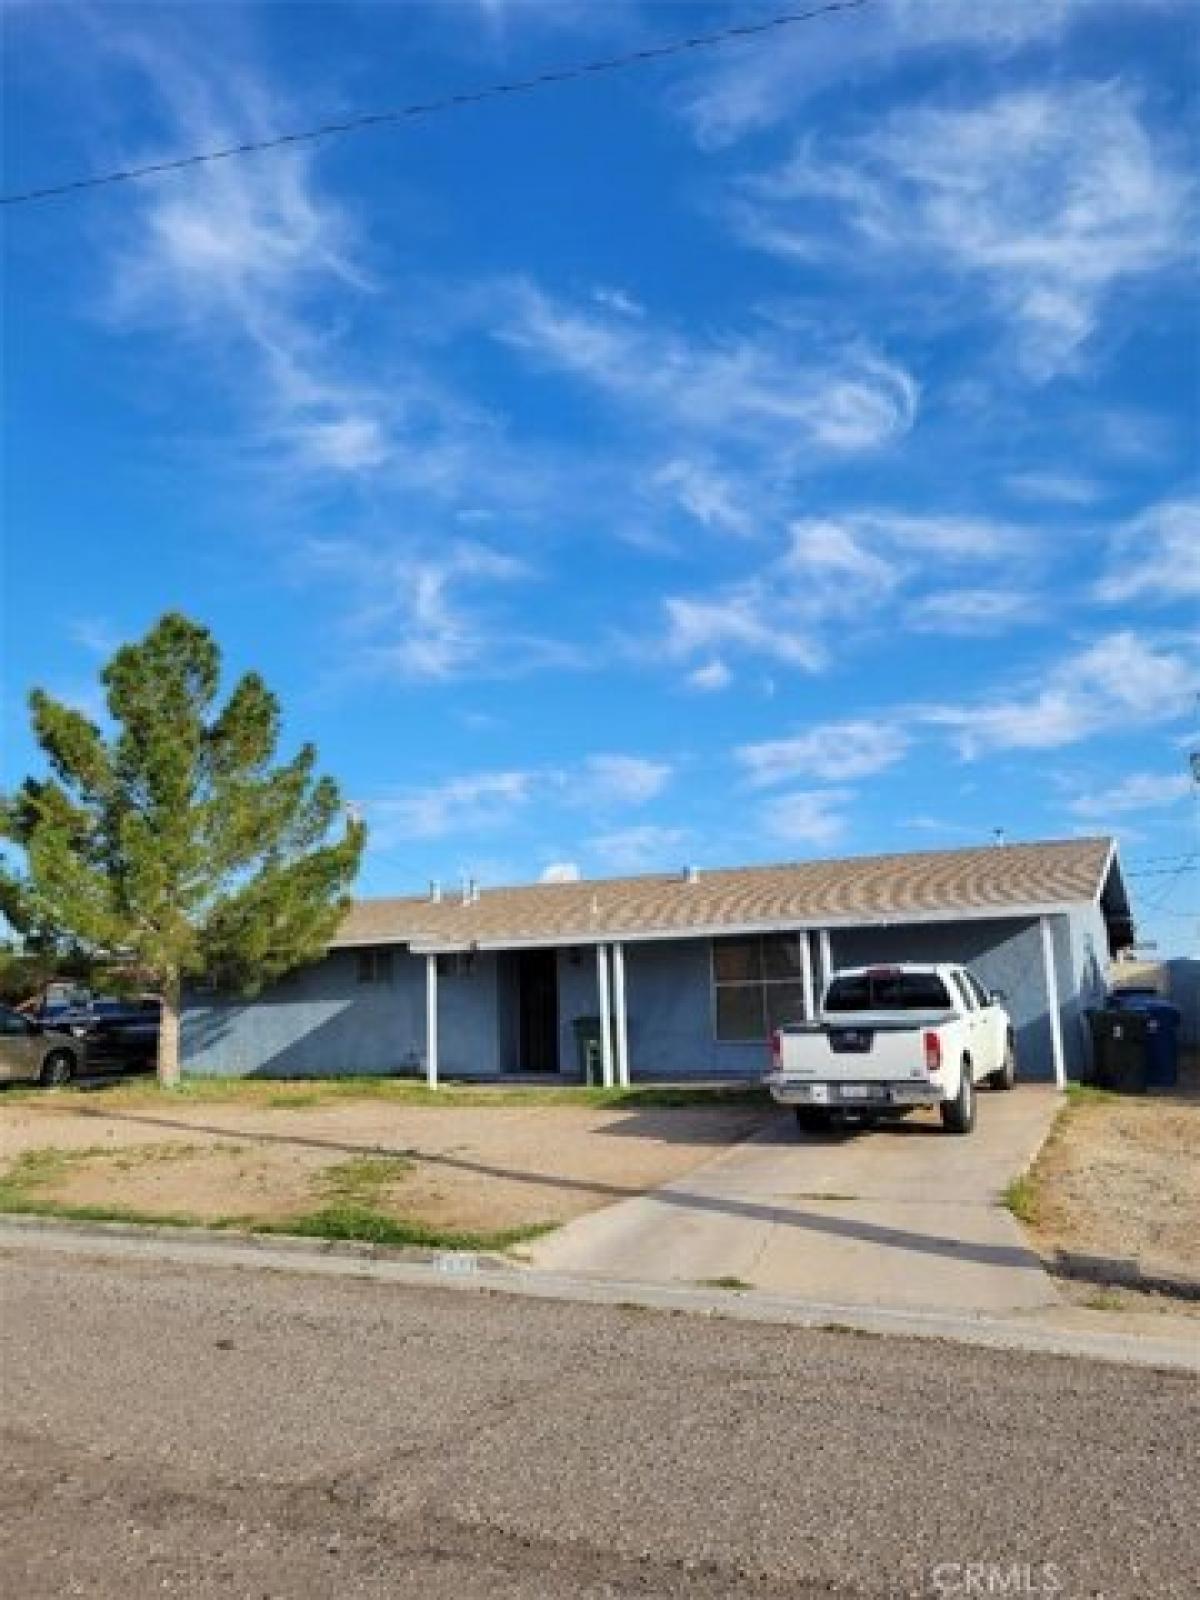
877, 968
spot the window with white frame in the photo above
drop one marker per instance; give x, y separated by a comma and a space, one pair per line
757, 985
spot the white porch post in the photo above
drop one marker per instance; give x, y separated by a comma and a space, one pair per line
431, 1022
826, 957
621, 1022
806, 974
606, 1050
1051, 974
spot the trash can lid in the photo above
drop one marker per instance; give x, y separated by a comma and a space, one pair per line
1150, 1004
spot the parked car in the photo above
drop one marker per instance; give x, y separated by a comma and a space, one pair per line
32, 1052
888, 1039
116, 1035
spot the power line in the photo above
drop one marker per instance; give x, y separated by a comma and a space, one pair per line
493, 91
1183, 864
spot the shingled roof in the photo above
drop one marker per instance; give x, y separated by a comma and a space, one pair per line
860, 891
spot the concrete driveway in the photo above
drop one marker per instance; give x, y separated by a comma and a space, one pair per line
903, 1216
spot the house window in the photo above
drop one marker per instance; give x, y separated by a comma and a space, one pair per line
757, 985
375, 965
456, 964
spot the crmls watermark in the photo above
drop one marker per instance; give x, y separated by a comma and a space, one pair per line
980, 1580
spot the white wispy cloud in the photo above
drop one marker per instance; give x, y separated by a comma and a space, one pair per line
1155, 556
737, 93
811, 817
1120, 680
617, 300
238, 261
481, 802
1053, 199
616, 780
1135, 792
469, 804
706, 493
974, 613
833, 752
1056, 488
710, 677
740, 388
641, 848
424, 615
843, 570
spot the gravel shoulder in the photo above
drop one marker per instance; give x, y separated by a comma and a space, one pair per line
200, 1432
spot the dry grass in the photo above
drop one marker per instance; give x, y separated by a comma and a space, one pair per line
478, 1173
1118, 1182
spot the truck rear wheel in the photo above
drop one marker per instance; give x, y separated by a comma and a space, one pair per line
958, 1115
814, 1119
1007, 1076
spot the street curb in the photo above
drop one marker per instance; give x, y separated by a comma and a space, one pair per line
1030, 1333
293, 1243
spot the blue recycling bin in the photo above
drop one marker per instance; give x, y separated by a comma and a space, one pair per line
1162, 1034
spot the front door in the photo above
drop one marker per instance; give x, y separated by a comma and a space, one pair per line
537, 979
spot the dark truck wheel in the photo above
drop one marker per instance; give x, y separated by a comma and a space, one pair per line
1007, 1076
958, 1115
57, 1069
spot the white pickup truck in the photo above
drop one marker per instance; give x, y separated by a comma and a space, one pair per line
888, 1039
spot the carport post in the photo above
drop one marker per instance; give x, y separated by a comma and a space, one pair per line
606, 1051
431, 1022
1056, 1039
826, 957
621, 1021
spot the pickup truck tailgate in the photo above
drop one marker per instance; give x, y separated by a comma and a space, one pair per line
866, 1047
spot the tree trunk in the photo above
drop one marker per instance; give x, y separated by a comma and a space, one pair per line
168, 1034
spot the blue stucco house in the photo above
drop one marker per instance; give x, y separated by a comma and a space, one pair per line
690, 970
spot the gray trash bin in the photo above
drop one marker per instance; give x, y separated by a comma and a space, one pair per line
588, 1049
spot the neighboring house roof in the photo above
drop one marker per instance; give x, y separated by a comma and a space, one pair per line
939, 885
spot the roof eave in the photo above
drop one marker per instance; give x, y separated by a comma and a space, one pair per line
616, 934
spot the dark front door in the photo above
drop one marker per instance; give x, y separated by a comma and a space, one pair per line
537, 978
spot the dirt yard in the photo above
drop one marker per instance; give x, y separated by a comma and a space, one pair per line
1119, 1181
473, 1174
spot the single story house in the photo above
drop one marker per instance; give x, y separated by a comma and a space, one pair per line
690, 970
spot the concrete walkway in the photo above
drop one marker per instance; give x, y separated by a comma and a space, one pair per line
905, 1216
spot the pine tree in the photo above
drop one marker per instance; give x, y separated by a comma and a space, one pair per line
175, 840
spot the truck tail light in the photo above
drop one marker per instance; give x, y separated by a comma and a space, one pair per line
933, 1053
776, 1051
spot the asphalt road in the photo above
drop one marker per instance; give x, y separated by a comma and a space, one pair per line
196, 1431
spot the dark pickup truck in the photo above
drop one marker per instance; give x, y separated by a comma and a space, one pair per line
116, 1035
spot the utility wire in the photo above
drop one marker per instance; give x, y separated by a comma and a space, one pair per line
493, 91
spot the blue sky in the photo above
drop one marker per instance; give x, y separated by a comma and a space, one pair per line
787, 451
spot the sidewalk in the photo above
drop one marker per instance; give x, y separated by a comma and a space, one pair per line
1173, 1343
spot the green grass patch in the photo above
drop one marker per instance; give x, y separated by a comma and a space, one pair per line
350, 1192
305, 1093
1083, 1094
24, 1181
361, 1181
1106, 1300
354, 1222
1021, 1198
